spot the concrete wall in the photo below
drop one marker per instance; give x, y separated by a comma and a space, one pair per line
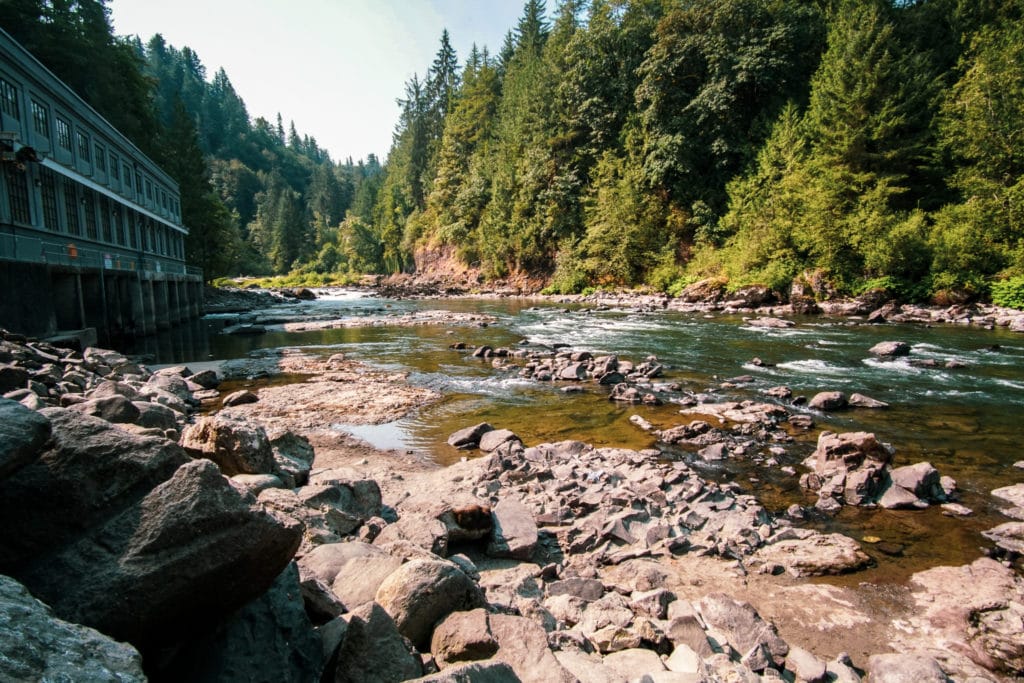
42, 300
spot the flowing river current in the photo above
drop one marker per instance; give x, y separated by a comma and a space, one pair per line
967, 420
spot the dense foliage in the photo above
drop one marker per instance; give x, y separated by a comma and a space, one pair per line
845, 144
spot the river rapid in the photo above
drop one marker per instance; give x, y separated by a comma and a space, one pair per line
967, 420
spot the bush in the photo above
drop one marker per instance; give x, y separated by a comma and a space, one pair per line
1009, 293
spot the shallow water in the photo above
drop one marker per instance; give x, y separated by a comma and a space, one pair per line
966, 421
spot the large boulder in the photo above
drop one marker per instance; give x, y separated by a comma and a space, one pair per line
463, 637
270, 639
12, 377
809, 553
191, 551
891, 349
22, 435
87, 473
828, 401
237, 445
921, 479
36, 646
513, 532
421, 593
469, 437
110, 408
373, 651
754, 640
848, 451
293, 458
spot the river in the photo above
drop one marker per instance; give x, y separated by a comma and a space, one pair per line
967, 420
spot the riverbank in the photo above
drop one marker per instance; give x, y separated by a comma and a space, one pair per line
557, 561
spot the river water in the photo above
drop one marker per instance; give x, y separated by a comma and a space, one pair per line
967, 421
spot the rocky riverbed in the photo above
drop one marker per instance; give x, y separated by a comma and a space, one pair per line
260, 541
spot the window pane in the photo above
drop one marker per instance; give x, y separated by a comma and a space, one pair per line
17, 194
48, 187
63, 133
9, 99
40, 119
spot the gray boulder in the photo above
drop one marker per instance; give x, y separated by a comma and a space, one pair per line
239, 398
921, 479
891, 349
496, 437
22, 435
190, 551
87, 473
293, 458
468, 438
235, 444
463, 637
207, 379
373, 651
828, 401
514, 531
36, 646
476, 672
156, 416
110, 408
420, 593
270, 639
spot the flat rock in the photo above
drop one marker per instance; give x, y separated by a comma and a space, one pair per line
895, 497
523, 645
754, 639
239, 398
1008, 536
1011, 494
862, 401
496, 437
771, 323
634, 662
905, 668
36, 646
110, 408
815, 554
513, 532
475, 672
805, 666
463, 637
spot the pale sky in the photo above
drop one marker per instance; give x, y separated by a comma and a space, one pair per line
335, 67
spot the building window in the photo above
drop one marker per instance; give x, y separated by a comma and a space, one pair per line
149, 190
128, 176
89, 206
106, 234
71, 207
84, 152
48, 190
115, 167
101, 158
133, 229
40, 120
17, 194
9, 99
63, 133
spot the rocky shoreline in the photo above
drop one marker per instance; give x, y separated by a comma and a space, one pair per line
260, 542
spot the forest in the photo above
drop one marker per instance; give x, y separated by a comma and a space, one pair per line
839, 146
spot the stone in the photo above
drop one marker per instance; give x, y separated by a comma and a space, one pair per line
270, 638
921, 479
573, 372
463, 637
426, 532
890, 349
37, 646
805, 666
653, 603
12, 377
293, 458
255, 484
810, 553
754, 639
359, 579
111, 409
523, 645
513, 532
496, 437
584, 589
469, 437
862, 401
1011, 494
237, 445
420, 593
239, 398
324, 562
828, 401
1008, 536
771, 323
88, 466
23, 432
684, 660
847, 451
171, 384
905, 668
207, 379
155, 416
634, 662
191, 551
476, 672
373, 651
895, 497
975, 609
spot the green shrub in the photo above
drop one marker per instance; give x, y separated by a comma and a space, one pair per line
1009, 293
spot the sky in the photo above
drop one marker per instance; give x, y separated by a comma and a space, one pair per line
334, 67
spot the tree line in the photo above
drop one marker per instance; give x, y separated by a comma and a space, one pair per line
840, 145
